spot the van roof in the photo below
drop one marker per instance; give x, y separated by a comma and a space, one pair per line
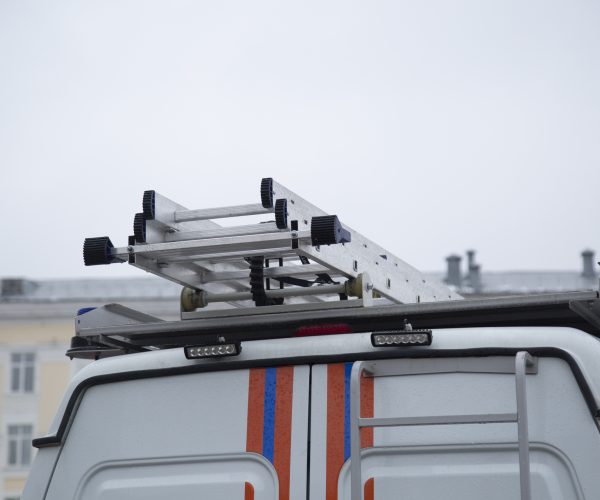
579, 349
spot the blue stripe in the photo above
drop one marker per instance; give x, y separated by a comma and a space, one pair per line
269, 416
347, 371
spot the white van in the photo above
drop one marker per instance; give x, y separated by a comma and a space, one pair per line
491, 413
369, 383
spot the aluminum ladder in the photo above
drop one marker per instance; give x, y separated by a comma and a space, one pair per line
309, 253
523, 364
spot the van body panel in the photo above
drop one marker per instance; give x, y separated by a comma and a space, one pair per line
178, 431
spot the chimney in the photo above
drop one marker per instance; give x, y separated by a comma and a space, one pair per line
470, 258
454, 277
473, 272
588, 264
475, 277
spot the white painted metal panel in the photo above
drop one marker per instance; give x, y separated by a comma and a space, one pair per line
190, 478
463, 472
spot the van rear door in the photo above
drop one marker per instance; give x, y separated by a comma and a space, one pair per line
453, 461
238, 434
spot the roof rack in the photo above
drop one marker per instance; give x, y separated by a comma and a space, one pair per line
114, 329
304, 257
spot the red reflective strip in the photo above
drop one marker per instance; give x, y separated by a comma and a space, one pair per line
366, 410
283, 429
335, 428
256, 400
369, 489
249, 492
326, 329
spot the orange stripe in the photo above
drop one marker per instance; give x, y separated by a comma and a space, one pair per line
335, 428
370, 489
283, 429
256, 399
248, 491
366, 410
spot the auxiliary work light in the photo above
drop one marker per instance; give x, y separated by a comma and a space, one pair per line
212, 351
401, 338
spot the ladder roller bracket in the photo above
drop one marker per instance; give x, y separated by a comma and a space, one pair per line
96, 251
149, 204
266, 192
139, 228
281, 214
327, 230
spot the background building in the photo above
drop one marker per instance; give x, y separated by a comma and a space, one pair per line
36, 326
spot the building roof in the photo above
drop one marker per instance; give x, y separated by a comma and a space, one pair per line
524, 282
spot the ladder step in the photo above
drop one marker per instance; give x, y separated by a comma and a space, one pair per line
221, 213
484, 418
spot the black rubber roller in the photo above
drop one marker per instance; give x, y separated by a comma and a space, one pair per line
266, 192
96, 251
281, 214
327, 230
139, 228
149, 204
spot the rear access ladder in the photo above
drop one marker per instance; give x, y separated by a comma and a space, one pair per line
523, 364
309, 253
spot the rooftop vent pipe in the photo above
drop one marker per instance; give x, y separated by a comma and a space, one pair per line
588, 264
454, 276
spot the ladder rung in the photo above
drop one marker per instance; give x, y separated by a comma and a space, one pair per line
484, 418
221, 212
221, 232
269, 272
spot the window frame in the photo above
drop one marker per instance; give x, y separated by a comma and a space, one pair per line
22, 372
19, 452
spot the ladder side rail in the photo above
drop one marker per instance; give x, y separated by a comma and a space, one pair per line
234, 245
391, 276
522, 360
523, 363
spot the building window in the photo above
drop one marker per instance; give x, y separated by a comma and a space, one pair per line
19, 445
22, 371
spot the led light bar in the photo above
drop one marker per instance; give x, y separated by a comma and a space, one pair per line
212, 351
401, 338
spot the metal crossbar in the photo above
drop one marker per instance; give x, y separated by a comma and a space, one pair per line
523, 364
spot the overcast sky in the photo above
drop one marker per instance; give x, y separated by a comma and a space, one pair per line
431, 127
